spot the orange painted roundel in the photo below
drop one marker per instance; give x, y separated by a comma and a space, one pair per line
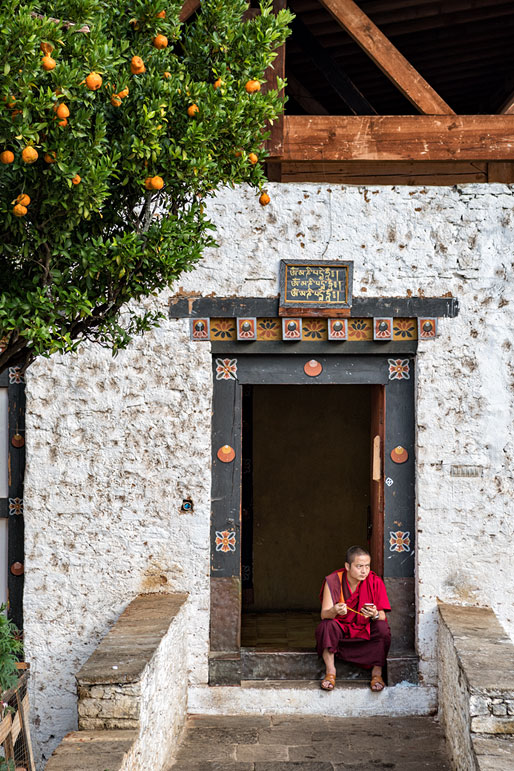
313, 368
226, 454
399, 454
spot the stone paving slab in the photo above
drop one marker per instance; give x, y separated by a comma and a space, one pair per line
306, 743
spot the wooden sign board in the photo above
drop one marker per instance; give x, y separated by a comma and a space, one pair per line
315, 288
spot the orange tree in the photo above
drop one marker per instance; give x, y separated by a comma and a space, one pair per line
116, 123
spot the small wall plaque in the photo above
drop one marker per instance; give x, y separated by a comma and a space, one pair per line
200, 329
427, 329
247, 329
337, 329
315, 288
383, 329
291, 329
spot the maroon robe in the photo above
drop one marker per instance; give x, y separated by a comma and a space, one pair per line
351, 637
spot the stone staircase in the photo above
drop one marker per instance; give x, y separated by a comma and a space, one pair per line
132, 692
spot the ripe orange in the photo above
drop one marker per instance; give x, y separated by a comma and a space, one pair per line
29, 155
264, 199
157, 183
76, 180
137, 65
167, 75
47, 48
160, 41
50, 157
124, 93
148, 183
93, 81
63, 122
48, 63
6, 157
217, 83
252, 86
161, 15
15, 113
116, 100
10, 104
61, 110
24, 199
253, 158
19, 210
192, 110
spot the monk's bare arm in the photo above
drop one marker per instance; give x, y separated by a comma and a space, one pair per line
328, 609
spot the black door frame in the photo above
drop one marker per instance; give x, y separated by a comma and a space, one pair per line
236, 367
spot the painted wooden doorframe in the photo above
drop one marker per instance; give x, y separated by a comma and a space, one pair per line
395, 379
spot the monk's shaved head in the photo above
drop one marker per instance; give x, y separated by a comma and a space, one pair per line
356, 551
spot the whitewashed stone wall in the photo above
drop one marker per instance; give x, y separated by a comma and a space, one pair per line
114, 445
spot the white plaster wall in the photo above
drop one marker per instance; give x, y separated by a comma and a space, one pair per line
114, 445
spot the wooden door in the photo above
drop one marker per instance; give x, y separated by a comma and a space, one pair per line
376, 514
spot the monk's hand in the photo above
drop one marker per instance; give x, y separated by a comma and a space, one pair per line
370, 611
339, 609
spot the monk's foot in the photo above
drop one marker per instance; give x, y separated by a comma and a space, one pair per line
377, 683
328, 682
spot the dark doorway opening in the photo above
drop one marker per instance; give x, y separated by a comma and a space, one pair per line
306, 497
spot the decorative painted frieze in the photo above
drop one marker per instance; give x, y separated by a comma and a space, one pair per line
247, 329
383, 329
291, 329
200, 329
427, 329
337, 329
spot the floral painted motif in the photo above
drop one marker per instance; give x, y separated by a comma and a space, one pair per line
223, 329
314, 329
399, 369
404, 329
226, 369
15, 506
268, 329
399, 540
15, 375
389, 482
225, 540
360, 329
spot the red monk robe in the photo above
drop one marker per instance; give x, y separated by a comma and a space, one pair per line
353, 638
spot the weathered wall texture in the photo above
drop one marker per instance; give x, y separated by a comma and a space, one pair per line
115, 445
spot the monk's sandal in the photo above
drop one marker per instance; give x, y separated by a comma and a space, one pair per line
331, 680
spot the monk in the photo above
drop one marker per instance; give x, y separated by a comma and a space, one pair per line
362, 637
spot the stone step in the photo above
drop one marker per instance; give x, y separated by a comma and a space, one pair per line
257, 664
292, 665
286, 697
93, 751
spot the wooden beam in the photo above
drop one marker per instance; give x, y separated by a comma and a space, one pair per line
304, 97
380, 49
399, 138
188, 9
391, 172
332, 72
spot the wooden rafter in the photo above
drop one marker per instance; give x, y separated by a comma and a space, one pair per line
387, 57
398, 138
304, 97
188, 9
332, 72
